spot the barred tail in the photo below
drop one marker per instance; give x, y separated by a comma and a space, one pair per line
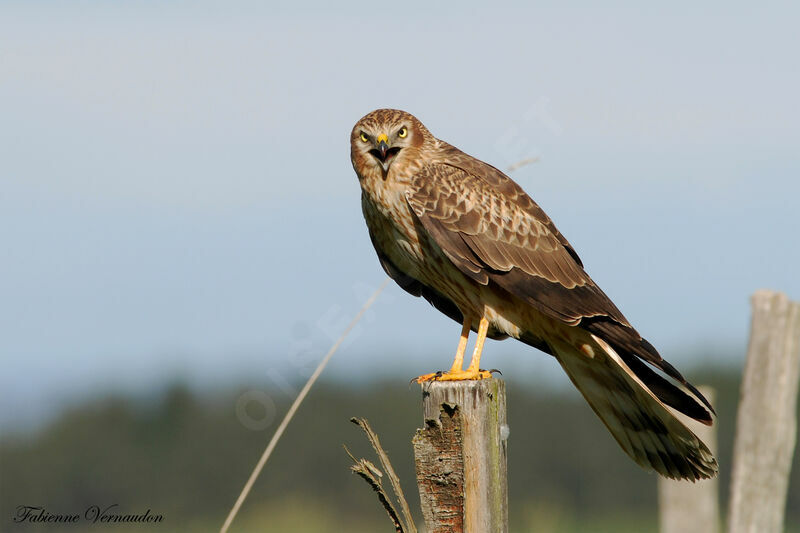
641, 423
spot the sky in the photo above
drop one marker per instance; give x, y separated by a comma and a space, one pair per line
177, 200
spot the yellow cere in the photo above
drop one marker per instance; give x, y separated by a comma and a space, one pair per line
383, 138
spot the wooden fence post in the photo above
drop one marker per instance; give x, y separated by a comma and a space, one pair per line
460, 457
685, 507
766, 424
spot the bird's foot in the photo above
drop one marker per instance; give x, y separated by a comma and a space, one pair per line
458, 375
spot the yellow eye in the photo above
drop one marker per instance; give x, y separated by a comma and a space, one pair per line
403, 133
364, 137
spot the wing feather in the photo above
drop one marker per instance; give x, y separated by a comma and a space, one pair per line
495, 233
509, 237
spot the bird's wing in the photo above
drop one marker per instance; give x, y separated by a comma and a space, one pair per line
493, 231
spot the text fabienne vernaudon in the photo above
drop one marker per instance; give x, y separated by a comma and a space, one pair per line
94, 513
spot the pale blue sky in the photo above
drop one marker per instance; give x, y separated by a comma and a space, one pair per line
176, 196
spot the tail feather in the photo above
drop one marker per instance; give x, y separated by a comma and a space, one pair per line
640, 422
634, 349
666, 391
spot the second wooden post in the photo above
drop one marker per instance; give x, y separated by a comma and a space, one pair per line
460, 456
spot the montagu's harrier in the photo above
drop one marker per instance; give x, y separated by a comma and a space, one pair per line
465, 237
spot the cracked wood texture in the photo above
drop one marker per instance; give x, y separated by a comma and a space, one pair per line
766, 424
460, 457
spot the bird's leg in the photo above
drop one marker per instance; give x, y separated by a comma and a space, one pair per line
456, 373
458, 362
474, 367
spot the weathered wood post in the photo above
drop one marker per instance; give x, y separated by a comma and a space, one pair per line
685, 507
766, 424
460, 457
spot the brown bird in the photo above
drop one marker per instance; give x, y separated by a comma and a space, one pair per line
468, 239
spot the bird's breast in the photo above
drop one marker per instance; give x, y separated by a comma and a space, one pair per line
392, 225
400, 237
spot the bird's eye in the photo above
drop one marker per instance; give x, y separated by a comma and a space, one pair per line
402, 133
364, 137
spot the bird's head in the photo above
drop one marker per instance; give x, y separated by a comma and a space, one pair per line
383, 137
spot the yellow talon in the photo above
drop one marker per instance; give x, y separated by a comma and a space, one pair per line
456, 373
462, 375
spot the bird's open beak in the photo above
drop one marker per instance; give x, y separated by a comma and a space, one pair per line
383, 145
383, 148
383, 152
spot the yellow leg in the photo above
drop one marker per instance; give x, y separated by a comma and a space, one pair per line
458, 362
456, 373
483, 328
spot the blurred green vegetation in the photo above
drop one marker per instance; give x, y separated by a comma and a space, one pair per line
185, 455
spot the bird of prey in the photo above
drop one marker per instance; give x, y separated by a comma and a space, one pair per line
464, 236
